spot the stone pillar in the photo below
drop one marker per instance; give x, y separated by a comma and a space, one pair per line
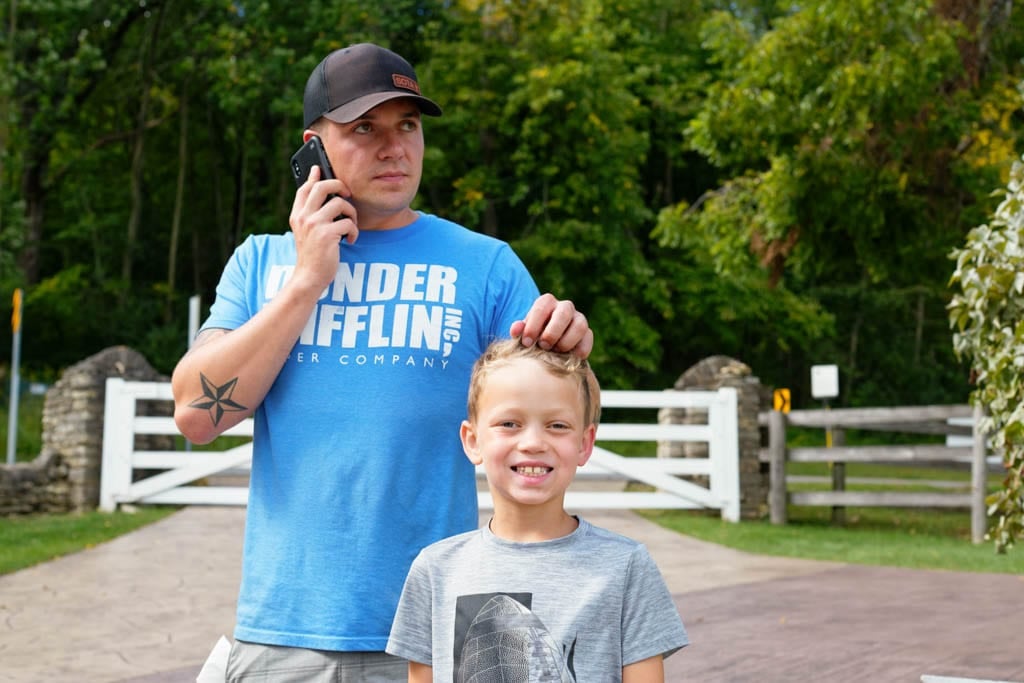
712, 374
73, 418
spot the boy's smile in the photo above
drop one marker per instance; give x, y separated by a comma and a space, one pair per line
532, 471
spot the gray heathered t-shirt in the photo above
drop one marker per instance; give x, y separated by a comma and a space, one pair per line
574, 609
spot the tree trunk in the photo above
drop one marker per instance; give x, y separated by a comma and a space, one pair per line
239, 223
179, 198
919, 329
222, 237
136, 179
490, 217
135, 183
5, 97
981, 18
847, 390
286, 194
35, 182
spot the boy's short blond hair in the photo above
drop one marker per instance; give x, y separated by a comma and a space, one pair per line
570, 365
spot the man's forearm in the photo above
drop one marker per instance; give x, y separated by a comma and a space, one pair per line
226, 374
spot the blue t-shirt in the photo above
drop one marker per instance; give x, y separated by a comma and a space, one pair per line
357, 463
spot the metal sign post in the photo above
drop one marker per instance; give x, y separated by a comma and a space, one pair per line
825, 385
12, 411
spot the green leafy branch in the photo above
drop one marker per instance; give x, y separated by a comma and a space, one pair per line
987, 316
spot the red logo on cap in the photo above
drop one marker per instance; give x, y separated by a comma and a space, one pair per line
401, 81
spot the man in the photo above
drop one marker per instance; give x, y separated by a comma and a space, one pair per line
351, 340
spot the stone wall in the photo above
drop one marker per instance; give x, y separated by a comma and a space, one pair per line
65, 476
712, 374
37, 486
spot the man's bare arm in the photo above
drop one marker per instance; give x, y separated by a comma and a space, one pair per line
216, 399
226, 374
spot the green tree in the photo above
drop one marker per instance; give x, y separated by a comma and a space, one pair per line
57, 52
544, 143
837, 131
808, 166
146, 140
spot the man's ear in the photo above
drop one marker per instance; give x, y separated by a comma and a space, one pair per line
587, 446
307, 134
469, 442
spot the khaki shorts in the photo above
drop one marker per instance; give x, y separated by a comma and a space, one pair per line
251, 662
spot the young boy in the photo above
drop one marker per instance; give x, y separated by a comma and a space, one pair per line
539, 594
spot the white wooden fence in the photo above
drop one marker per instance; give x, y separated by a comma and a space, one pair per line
180, 467
177, 469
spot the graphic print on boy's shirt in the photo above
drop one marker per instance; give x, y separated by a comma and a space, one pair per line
498, 637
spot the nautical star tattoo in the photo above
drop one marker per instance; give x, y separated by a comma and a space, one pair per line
217, 399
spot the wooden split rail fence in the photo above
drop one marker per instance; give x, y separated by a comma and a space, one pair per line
918, 419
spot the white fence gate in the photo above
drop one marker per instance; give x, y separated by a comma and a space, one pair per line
179, 468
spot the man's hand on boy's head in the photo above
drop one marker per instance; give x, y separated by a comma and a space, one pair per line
555, 324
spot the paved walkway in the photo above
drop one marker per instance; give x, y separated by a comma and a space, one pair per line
147, 608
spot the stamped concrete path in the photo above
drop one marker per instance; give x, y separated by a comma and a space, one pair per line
147, 608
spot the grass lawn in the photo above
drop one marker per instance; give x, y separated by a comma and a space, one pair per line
915, 538
29, 540
918, 538
29, 440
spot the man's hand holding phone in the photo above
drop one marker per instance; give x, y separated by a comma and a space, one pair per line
324, 198
320, 219
312, 155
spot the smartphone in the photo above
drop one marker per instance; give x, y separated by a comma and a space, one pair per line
312, 154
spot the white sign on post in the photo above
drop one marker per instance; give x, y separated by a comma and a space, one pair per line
824, 381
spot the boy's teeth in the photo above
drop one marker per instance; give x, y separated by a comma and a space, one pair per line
532, 471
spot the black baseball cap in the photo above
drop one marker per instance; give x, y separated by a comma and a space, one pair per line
353, 80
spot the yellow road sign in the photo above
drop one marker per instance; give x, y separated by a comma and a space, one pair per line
16, 313
780, 400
